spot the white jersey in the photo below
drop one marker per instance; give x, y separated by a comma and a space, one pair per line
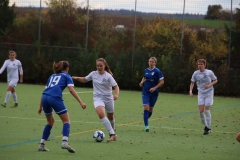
13, 69
102, 83
202, 79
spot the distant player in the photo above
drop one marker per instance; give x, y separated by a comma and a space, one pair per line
150, 83
205, 80
103, 99
14, 67
52, 100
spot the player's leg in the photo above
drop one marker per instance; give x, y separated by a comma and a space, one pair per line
202, 117
46, 132
65, 132
111, 120
100, 109
13, 84
208, 103
207, 129
50, 122
60, 108
201, 102
8, 94
153, 100
145, 101
109, 107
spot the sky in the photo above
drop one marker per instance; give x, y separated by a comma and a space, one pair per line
156, 6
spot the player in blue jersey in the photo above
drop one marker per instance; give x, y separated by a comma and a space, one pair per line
52, 100
150, 83
205, 79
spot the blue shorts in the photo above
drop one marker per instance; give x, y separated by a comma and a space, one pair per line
49, 103
149, 100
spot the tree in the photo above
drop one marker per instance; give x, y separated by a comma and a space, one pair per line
7, 16
63, 24
214, 12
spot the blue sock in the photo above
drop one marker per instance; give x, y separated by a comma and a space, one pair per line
46, 132
66, 130
145, 117
149, 114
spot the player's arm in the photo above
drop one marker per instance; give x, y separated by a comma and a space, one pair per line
75, 95
191, 88
116, 88
80, 79
40, 107
21, 74
211, 84
3, 67
142, 81
160, 83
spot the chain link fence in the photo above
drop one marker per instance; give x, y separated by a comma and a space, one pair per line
127, 33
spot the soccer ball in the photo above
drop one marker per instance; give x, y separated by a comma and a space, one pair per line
98, 136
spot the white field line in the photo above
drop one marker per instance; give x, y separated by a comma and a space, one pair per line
78, 92
119, 125
21, 118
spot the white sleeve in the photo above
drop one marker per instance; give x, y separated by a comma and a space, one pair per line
193, 79
20, 68
112, 81
3, 67
213, 77
90, 76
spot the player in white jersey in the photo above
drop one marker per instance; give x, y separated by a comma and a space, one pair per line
205, 79
102, 95
14, 67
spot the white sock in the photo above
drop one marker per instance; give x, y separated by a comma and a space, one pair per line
208, 118
202, 116
14, 95
112, 123
7, 96
64, 139
42, 141
107, 125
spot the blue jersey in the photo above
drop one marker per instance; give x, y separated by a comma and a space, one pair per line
152, 79
57, 83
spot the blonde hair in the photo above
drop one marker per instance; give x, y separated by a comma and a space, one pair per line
154, 58
107, 68
60, 66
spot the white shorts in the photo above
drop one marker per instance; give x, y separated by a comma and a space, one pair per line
108, 104
205, 99
13, 82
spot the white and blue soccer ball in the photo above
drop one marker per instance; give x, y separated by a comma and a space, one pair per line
98, 136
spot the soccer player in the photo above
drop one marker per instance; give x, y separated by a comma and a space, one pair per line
205, 79
102, 95
52, 100
14, 67
150, 83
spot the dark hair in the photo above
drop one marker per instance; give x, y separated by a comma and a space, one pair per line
107, 68
60, 66
202, 61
